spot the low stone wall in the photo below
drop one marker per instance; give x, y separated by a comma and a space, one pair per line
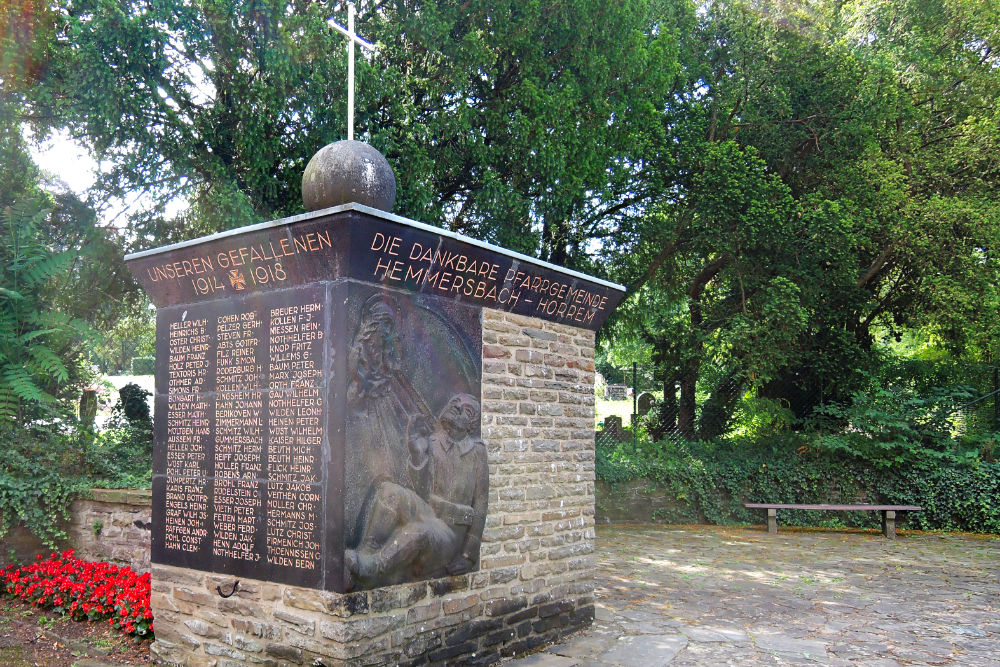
113, 526
634, 501
535, 581
469, 619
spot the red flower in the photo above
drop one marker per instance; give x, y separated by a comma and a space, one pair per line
82, 589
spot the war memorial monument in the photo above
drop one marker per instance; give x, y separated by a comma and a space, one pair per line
374, 439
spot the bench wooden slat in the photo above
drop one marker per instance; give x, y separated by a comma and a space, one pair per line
888, 513
836, 508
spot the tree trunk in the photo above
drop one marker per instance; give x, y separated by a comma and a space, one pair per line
687, 405
692, 367
717, 411
666, 412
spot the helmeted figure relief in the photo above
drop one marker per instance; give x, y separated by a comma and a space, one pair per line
433, 526
381, 400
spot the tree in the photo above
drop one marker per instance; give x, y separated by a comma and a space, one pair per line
710, 283
854, 117
516, 122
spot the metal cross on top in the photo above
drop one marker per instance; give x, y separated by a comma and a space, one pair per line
352, 39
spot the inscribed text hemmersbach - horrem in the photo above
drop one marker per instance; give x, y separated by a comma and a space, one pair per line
318, 395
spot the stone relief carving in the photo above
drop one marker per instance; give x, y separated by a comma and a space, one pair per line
417, 477
380, 398
432, 527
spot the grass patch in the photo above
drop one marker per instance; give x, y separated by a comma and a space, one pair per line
13, 656
622, 409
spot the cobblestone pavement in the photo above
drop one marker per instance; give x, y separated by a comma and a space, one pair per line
738, 596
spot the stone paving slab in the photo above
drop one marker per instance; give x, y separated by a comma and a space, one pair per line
706, 595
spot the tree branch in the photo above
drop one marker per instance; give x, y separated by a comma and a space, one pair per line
706, 275
875, 267
660, 258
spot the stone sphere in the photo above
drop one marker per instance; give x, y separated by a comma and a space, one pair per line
348, 171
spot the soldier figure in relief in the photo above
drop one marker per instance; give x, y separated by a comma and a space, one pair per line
434, 528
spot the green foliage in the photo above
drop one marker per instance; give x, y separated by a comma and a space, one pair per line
125, 446
130, 337
516, 122
761, 418
34, 337
711, 481
47, 465
43, 469
825, 192
889, 425
60, 277
143, 365
133, 404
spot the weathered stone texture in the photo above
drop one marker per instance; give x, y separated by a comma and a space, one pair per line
535, 581
112, 525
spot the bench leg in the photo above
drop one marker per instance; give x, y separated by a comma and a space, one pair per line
772, 520
889, 524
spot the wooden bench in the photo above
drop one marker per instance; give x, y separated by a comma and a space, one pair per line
888, 513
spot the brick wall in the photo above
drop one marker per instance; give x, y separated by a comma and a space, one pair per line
535, 581
112, 525
635, 501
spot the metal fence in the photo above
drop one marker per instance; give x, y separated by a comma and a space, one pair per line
626, 396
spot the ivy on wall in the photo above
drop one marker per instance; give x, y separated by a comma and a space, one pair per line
709, 482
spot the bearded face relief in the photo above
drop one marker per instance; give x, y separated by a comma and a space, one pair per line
416, 478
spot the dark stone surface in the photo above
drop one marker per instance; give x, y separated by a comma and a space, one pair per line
372, 249
505, 606
317, 397
241, 418
286, 653
615, 392
645, 403
417, 505
276, 435
348, 171
613, 430
423, 261
449, 585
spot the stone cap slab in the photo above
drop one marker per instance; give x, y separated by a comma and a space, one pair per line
357, 242
140, 497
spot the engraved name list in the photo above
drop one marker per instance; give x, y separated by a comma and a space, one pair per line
244, 420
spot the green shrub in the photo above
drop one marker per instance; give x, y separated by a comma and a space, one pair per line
46, 465
893, 424
711, 480
132, 406
126, 443
143, 365
43, 469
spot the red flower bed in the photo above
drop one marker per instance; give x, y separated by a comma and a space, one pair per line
84, 590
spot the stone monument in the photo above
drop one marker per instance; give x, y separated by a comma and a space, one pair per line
645, 403
373, 439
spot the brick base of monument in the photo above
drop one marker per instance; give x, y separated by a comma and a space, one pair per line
445, 621
535, 581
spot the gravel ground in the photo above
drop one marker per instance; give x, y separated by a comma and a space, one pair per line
29, 636
704, 595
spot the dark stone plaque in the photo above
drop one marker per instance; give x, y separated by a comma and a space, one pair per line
318, 395
424, 261
241, 418
353, 241
415, 482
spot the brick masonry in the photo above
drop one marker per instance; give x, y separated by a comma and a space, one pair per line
635, 501
112, 525
535, 582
